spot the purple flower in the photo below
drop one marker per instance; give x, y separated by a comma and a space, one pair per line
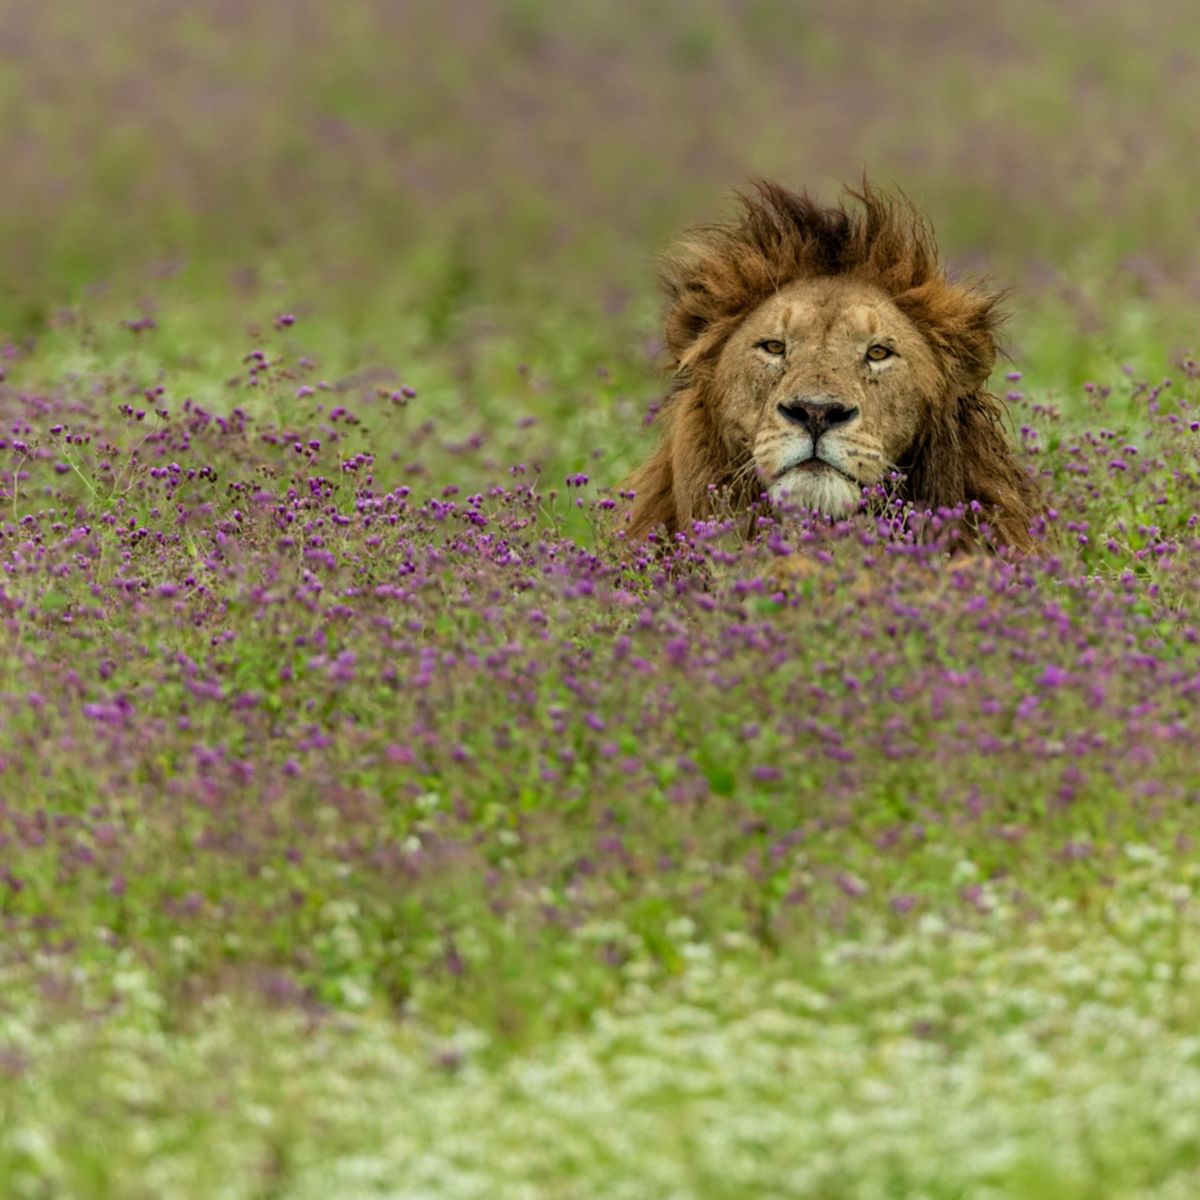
1053, 677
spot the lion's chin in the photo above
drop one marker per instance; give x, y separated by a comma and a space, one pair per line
822, 488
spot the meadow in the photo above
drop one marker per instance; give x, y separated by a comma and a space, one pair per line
374, 824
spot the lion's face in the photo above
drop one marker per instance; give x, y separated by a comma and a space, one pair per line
825, 384
812, 351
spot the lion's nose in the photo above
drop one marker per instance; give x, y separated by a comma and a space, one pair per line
817, 415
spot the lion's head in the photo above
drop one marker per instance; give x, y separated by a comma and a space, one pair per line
814, 351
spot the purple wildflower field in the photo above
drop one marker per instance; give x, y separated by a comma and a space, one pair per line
375, 820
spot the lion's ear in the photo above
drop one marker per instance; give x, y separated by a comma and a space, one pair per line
690, 324
686, 322
963, 456
705, 280
961, 324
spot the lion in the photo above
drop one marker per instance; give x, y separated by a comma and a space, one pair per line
814, 351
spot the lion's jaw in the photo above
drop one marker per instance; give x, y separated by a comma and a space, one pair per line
815, 483
818, 347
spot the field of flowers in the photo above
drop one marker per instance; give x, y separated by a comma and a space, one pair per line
373, 823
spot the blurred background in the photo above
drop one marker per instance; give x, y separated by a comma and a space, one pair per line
472, 193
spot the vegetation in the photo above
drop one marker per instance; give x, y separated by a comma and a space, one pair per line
373, 823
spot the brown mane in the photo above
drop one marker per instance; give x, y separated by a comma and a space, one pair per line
721, 272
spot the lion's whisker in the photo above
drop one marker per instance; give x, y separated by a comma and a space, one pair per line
744, 472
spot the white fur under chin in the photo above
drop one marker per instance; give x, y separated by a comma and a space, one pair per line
826, 490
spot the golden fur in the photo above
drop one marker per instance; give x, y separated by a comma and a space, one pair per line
776, 321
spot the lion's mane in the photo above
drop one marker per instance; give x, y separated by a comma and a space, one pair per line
721, 272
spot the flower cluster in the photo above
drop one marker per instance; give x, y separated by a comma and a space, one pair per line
283, 715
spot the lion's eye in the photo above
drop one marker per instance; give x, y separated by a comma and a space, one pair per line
772, 346
879, 353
